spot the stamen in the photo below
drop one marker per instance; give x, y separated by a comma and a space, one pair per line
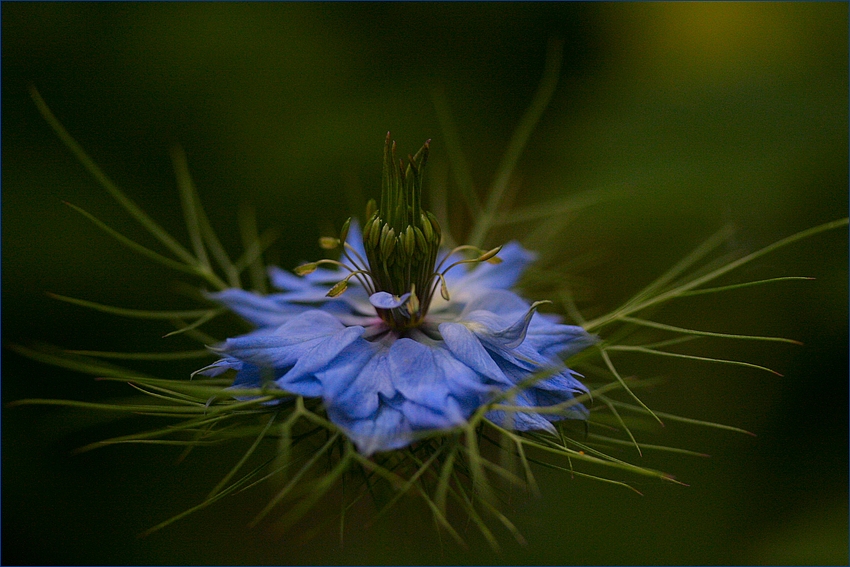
338, 288
444, 289
328, 242
483, 258
413, 303
360, 263
455, 251
311, 267
342, 285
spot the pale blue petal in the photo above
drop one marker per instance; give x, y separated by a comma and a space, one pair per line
284, 280
407, 371
323, 352
386, 430
426, 418
220, 366
286, 344
499, 331
384, 300
493, 314
354, 383
466, 347
298, 348
553, 339
499, 302
415, 374
520, 421
260, 310
465, 384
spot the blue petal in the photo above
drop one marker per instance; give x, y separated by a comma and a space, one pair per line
520, 421
499, 332
466, 385
296, 350
554, 339
536, 397
220, 366
382, 393
466, 347
419, 376
544, 397
424, 418
386, 430
498, 302
384, 300
261, 310
505, 322
324, 352
353, 384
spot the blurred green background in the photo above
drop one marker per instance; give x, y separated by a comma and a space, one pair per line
708, 113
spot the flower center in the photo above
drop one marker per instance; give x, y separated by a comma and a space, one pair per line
402, 242
402, 239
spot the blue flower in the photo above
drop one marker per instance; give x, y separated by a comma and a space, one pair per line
391, 359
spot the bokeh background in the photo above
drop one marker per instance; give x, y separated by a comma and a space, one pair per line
708, 114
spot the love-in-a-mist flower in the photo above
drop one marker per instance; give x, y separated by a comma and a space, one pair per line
402, 338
